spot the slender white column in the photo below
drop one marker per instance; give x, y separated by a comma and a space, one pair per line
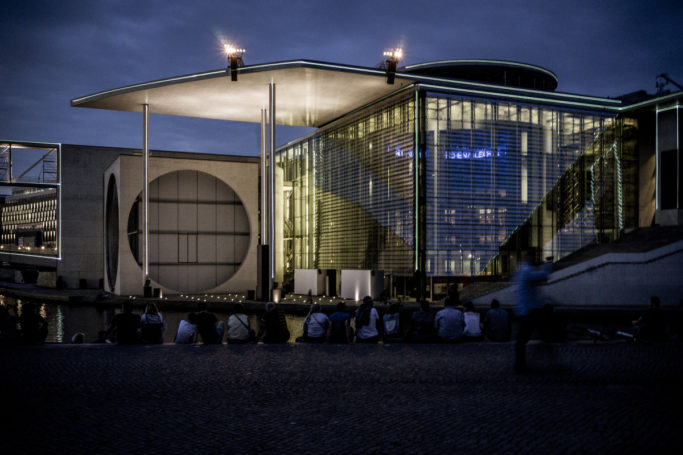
145, 192
271, 182
264, 180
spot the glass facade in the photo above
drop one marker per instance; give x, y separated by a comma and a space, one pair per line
349, 193
490, 178
509, 176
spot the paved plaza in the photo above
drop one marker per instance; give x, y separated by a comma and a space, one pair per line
611, 398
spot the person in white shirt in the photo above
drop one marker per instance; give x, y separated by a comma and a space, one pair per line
368, 323
315, 325
472, 323
239, 330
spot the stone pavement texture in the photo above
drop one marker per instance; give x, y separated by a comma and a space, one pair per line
612, 398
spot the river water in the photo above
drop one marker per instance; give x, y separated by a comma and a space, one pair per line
66, 320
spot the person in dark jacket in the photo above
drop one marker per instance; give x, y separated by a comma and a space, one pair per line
273, 325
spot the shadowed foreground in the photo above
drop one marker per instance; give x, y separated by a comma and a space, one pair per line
609, 398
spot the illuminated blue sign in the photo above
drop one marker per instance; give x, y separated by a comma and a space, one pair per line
476, 154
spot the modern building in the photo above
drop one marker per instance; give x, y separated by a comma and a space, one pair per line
431, 173
73, 220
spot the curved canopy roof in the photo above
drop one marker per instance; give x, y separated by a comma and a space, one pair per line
308, 93
312, 94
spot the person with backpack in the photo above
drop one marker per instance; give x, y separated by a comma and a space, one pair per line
315, 325
239, 329
368, 323
152, 325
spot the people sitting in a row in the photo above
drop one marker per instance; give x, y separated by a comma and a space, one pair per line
450, 324
239, 328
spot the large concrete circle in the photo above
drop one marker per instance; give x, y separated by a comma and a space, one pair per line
199, 232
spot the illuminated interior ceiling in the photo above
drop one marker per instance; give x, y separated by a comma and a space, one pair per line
308, 93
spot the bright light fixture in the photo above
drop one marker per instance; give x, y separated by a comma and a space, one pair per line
231, 50
394, 53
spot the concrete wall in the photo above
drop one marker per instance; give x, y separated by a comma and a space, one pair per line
82, 213
240, 175
612, 280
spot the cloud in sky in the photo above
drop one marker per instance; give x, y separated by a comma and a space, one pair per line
52, 52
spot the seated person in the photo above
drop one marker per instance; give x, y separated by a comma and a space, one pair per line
273, 325
497, 325
239, 330
472, 330
422, 330
392, 323
368, 323
315, 325
187, 330
125, 325
208, 326
449, 322
152, 325
339, 330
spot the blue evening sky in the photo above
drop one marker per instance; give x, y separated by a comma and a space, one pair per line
53, 51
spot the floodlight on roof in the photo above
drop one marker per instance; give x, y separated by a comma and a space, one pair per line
391, 59
235, 61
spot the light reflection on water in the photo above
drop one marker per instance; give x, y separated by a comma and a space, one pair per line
64, 321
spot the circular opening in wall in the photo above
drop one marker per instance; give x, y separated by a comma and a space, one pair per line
199, 232
112, 232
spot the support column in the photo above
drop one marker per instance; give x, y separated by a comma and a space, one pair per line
264, 180
145, 192
271, 185
263, 259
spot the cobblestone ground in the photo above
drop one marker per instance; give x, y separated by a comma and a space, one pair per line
608, 398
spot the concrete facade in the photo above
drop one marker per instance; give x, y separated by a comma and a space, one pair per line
611, 280
240, 174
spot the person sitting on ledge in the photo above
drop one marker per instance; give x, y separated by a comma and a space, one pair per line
422, 330
152, 325
208, 326
273, 326
368, 323
239, 330
187, 330
339, 330
497, 323
449, 322
392, 324
472, 330
125, 325
315, 325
